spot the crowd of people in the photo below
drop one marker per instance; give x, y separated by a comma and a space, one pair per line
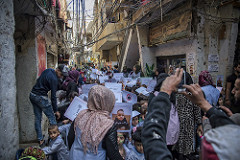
164, 124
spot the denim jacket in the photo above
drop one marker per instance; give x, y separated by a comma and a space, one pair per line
133, 154
77, 150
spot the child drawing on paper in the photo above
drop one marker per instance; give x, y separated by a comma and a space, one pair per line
120, 120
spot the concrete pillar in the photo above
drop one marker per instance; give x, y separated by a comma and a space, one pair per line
26, 72
125, 52
9, 133
146, 56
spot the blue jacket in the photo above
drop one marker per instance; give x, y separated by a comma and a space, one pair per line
211, 94
57, 146
77, 150
46, 82
133, 154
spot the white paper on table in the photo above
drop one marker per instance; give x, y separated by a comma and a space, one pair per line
151, 85
99, 72
146, 80
94, 70
129, 97
142, 90
102, 79
86, 88
118, 97
131, 83
118, 76
116, 88
126, 80
93, 76
75, 107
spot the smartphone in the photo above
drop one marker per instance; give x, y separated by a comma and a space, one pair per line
183, 82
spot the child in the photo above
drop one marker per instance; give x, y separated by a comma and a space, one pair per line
135, 115
221, 100
123, 150
136, 150
56, 144
120, 120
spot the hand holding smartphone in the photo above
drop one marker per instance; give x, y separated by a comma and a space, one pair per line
183, 82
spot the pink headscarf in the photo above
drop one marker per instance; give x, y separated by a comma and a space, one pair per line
205, 79
95, 121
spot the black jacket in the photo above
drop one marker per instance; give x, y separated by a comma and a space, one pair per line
218, 118
156, 122
155, 128
109, 142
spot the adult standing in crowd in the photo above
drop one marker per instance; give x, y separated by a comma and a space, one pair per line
211, 93
70, 84
115, 69
125, 72
229, 100
47, 81
135, 73
95, 136
189, 117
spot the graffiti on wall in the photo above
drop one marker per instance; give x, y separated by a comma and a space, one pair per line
41, 49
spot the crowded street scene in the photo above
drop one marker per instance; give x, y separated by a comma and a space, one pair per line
120, 80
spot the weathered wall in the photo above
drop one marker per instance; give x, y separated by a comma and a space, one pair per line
174, 48
26, 72
216, 36
9, 132
185, 47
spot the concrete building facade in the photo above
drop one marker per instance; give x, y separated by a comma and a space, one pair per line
28, 45
9, 133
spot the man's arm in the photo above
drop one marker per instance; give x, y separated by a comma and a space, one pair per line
156, 122
53, 86
155, 128
216, 117
53, 148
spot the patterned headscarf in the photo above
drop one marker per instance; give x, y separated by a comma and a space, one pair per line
205, 79
95, 121
73, 77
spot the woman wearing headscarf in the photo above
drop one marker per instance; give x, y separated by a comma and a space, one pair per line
189, 116
136, 73
70, 83
95, 132
211, 93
